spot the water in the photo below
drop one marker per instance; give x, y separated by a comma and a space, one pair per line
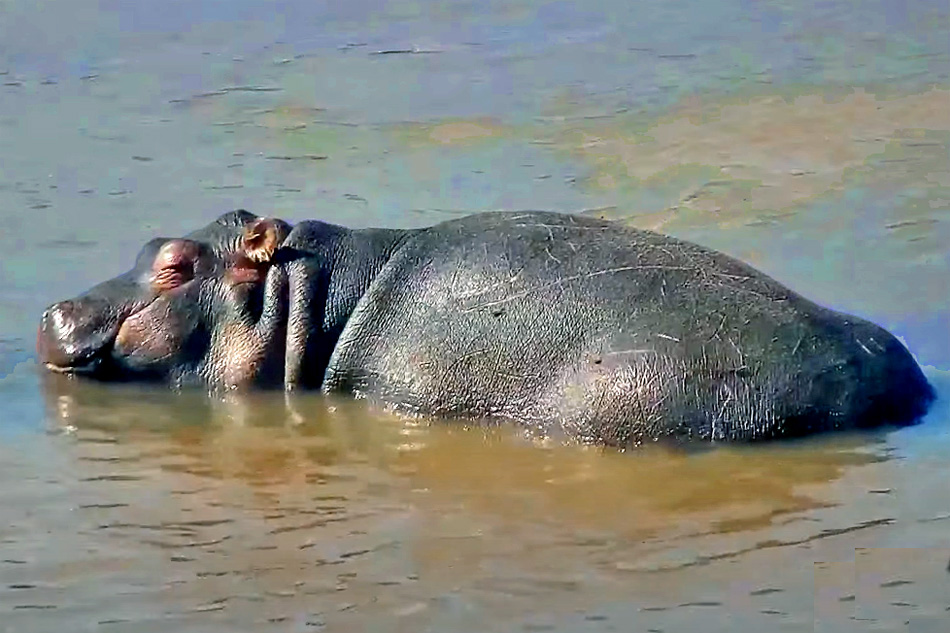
811, 139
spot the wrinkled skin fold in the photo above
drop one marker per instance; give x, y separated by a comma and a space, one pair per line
571, 326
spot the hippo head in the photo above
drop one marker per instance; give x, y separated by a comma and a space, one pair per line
187, 304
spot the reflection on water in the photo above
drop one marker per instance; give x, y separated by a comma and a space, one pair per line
195, 513
271, 440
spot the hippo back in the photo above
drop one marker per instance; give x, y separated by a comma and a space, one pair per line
611, 334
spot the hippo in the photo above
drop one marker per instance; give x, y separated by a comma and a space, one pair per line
570, 326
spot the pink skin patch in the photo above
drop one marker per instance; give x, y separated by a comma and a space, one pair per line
242, 270
244, 275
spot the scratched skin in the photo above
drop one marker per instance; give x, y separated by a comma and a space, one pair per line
573, 327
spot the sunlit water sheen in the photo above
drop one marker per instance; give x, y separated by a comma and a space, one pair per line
811, 139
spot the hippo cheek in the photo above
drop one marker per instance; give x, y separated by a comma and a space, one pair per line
152, 339
238, 356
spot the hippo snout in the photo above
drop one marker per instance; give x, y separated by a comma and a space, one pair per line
56, 325
72, 336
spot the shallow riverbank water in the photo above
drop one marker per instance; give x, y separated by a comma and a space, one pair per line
811, 139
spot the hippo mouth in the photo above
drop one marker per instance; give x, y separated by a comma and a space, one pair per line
88, 362
88, 367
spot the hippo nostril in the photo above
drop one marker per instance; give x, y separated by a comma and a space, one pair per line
49, 320
49, 343
61, 309
59, 319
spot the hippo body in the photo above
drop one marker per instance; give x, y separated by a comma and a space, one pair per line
568, 325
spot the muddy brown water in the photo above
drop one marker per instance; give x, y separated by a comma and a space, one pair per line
811, 139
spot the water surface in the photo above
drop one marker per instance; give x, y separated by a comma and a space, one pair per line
809, 138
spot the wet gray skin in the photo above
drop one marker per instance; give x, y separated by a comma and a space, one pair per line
570, 326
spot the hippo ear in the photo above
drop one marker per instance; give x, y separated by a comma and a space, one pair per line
263, 237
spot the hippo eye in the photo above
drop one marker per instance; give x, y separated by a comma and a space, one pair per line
174, 265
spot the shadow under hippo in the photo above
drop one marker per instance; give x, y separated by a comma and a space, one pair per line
568, 325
